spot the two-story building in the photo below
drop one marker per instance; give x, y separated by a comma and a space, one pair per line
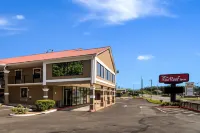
70, 77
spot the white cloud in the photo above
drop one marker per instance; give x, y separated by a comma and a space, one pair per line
10, 26
120, 11
86, 33
19, 17
3, 22
145, 57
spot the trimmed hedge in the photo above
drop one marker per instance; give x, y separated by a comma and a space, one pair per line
19, 109
170, 104
43, 105
154, 101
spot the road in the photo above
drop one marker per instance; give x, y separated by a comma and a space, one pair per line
126, 116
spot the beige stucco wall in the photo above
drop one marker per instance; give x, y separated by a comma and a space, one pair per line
28, 72
105, 57
35, 92
57, 93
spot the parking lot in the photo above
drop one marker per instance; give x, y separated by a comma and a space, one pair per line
126, 116
4, 111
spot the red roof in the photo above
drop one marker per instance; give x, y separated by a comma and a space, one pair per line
53, 55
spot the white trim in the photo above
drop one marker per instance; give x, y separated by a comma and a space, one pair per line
98, 60
6, 71
92, 71
92, 96
20, 92
44, 73
45, 96
45, 89
68, 59
95, 69
6, 94
65, 80
25, 84
105, 82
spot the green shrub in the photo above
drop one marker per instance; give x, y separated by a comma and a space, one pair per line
19, 109
43, 105
154, 101
170, 104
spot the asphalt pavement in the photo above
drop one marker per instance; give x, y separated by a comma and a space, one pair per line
126, 116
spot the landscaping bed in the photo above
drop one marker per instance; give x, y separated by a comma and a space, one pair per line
164, 104
42, 107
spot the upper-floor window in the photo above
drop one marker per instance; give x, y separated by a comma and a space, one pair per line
37, 73
107, 73
113, 78
18, 74
1, 75
67, 68
100, 70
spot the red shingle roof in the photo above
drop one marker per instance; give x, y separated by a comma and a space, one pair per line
53, 55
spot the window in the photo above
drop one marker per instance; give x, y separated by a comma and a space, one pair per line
113, 78
37, 73
100, 70
67, 68
18, 74
106, 72
24, 92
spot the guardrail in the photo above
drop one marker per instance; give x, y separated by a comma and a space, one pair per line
191, 106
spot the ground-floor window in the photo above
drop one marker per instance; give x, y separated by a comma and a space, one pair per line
23, 92
80, 95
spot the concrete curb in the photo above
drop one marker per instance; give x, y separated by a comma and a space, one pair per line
168, 107
45, 112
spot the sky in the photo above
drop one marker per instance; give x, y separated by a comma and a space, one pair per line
147, 37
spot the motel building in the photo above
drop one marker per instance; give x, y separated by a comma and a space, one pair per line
70, 77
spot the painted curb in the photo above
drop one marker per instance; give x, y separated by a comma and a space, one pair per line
46, 112
168, 107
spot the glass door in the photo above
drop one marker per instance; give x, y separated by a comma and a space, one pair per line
68, 97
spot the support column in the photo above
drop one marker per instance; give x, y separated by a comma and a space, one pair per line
110, 92
114, 95
92, 98
106, 97
45, 90
6, 90
102, 96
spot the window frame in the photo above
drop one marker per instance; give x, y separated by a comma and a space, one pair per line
40, 72
20, 71
20, 92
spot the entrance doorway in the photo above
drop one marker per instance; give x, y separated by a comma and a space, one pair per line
1, 95
68, 97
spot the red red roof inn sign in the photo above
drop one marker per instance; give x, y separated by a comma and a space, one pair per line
173, 78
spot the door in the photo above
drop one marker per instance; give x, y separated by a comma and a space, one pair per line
68, 97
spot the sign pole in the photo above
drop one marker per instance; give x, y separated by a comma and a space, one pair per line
173, 95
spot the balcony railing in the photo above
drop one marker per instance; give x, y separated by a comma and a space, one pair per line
24, 79
2, 83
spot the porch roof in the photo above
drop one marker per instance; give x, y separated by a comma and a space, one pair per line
53, 55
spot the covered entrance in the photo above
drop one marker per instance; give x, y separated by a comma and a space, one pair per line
68, 97
73, 96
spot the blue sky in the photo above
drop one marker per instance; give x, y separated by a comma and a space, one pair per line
148, 37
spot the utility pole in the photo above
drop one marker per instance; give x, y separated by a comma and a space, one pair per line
133, 89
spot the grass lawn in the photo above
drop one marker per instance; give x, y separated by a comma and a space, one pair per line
191, 99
